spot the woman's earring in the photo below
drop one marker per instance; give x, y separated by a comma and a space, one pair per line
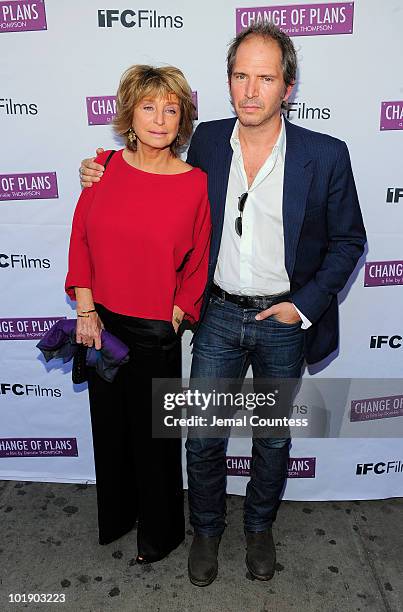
131, 136
178, 139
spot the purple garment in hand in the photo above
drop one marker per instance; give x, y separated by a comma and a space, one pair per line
60, 342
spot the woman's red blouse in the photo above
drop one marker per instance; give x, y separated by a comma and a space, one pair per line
140, 241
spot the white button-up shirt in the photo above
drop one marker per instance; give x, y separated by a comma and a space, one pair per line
254, 263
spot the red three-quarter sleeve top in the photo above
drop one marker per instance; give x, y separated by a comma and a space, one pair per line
140, 241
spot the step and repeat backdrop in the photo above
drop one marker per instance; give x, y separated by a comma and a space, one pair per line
61, 61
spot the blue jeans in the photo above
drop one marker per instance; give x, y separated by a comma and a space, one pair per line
228, 340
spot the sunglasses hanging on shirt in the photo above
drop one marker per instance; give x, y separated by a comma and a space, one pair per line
241, 205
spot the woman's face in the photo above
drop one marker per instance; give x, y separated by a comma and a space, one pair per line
156, 121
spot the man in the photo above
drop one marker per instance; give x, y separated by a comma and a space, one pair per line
287, 234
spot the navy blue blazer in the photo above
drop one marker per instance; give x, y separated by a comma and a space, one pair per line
324, 234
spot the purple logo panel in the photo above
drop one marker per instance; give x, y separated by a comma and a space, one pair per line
102, 109
392, 115
301, 19
26, 329
298, 467
301, 467
379, 273
238, 466
376, 408
38, 447
22, 16
32, 186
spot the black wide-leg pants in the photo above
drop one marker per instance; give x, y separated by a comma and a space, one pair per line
138, 477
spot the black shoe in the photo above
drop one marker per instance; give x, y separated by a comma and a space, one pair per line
203, 564
261, 554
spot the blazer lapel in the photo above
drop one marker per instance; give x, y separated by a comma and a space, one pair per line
297, 180
218, 184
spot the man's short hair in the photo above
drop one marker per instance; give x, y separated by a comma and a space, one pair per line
270, 32
141, 81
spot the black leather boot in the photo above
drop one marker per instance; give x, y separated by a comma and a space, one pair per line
261, 554
203, 564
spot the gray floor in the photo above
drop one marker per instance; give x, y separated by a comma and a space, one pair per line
345, 556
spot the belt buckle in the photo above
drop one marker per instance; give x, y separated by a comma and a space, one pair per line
263, 302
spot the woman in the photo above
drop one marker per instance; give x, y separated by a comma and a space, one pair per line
138, 263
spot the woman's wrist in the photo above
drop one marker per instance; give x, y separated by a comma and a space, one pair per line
85, 308
86, 313
84, 300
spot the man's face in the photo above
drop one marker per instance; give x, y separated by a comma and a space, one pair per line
257, 86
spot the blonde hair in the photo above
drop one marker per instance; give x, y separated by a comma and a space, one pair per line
141, 81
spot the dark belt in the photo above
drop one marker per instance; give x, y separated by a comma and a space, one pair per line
251, 301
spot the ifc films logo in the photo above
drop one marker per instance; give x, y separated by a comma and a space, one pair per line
143, 18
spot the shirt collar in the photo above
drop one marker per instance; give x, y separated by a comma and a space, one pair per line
280, 143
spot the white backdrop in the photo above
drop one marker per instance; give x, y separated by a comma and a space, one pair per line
55, 57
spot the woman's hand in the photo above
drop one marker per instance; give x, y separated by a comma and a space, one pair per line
89, 329
177, 317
